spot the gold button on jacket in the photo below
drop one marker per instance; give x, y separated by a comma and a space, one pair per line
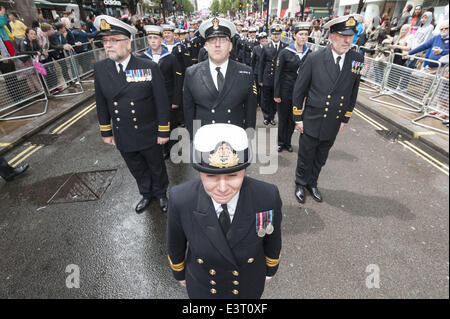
250, 260
236, 292
212, 272
200, 261
213, 291
236, 283
235, 273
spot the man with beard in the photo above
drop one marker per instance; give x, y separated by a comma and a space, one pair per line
133, 109
329, 80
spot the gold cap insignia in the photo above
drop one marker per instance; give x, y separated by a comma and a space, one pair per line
104, 25
223, 157
351, 22
277, 29
215, 23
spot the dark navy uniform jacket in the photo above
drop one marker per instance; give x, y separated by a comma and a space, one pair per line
267, 63
235, 104
172, 73
286, 71
135, 112
330, 96
215, 266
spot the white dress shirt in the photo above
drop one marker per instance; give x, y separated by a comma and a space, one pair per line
223, 70
156, 57
124, 64
335, 55
276, 45
231, 205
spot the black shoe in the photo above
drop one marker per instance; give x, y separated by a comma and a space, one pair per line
163, 204
300, 193
289, 148
266, 122
280, 148
315, 193
273, 122
142, 205
16, 172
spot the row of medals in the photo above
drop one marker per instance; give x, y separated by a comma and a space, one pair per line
268, 230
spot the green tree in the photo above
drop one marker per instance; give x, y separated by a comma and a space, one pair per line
215, 7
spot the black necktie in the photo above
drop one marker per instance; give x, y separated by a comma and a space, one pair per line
338, 67
121, 72
220, 79
224, 219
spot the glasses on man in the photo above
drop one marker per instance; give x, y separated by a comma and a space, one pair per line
443, 29
215, 40
112, 41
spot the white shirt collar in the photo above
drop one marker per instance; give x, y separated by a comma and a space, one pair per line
223, 70
231, 205
124, 64
335, 55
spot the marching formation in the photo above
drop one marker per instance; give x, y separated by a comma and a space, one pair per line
224, 229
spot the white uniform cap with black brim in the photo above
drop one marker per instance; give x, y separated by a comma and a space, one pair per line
153, 29
108, 25
276, 29
217, 27
302, 26
220, 149
345, 25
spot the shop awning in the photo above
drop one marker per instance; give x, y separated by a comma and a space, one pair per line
44, 4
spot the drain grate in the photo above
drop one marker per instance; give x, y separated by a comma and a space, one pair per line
392, 135
83, 187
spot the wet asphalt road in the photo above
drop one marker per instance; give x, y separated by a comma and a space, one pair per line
384, 208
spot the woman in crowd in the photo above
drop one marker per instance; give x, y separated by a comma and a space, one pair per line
29, 46
4, 32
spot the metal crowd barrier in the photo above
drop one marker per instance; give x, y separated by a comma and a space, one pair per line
24, 87
408, 86
437, 106
18, 87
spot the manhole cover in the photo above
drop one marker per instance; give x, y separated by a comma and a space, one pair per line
391, 135
43, 139
82, 187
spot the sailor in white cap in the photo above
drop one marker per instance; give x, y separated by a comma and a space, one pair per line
172, 73
219, 90
288, 62
169, 37
329, 80
223, 229
266, 73
133, 109
256, 56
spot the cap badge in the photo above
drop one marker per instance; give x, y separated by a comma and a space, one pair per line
223, 157
104, 25
215, 23
277, 29
351, 22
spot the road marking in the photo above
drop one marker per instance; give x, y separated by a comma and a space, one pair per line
76, 116
370, 120
28, 155
419, 134
5, 144
33, 148
76, 119
19, 155
426, 154
427, 157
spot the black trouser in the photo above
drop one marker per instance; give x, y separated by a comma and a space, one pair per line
5, 169
312, 156
149, 170
258, 88
286, 124
268, 106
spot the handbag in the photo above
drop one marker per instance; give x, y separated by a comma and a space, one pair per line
40, 68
